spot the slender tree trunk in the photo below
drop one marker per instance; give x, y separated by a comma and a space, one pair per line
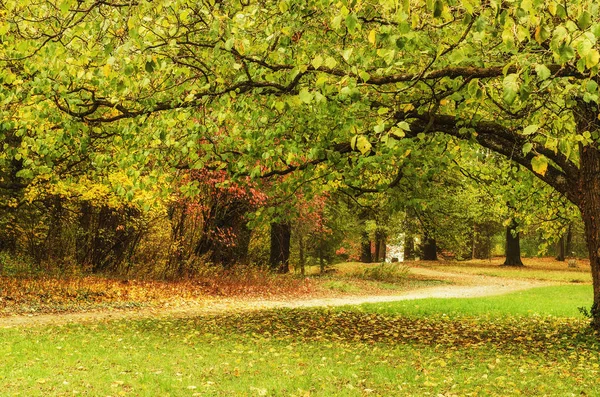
513, 246
321, 258
383, 250
569, 241
474, 242
409, 248
429, 248
279, 259
560, 249
377, 249
302, 258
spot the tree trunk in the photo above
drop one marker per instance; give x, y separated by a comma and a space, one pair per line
321, 258
560, 249
302, 258
513, 246
365, 252
382, 250
589, 194
279, 259
409, 248
377, 251
569, 241
429, 248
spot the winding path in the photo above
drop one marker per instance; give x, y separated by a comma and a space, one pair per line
467, 286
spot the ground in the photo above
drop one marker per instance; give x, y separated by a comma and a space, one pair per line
456, 285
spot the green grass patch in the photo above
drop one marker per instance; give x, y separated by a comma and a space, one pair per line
341, 286
303, 352
559, 301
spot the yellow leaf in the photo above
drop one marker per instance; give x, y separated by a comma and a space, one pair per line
106, 70
372, 36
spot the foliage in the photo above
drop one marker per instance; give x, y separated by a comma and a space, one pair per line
112, 99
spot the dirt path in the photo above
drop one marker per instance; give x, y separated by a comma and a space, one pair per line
466, 286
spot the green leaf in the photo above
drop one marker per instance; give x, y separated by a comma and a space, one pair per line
317, 61
566, 52
364, 76
330, 62
351, 22
542, 72
363, 144
531, 129
585, 20
149, 67
404, 125
510, 88
539, 164
305, 96
527, 147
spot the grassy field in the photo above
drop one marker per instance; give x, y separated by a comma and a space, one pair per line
527, 343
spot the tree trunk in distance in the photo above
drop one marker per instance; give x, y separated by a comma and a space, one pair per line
321, 259
513, 246
302, 259
560, 249
279, 258
409, 248
569, 241
383, 250
429, 248
365, 252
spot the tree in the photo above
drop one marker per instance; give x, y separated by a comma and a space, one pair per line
308, 83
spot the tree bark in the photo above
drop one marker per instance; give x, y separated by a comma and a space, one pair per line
429, 248
589, 191
279, 259
513, 246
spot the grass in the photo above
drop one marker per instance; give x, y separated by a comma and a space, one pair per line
483, 346
533, 342
558, 301
300, 353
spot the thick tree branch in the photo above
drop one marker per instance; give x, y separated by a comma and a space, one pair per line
501, 140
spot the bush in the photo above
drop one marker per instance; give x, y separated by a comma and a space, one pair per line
390, 272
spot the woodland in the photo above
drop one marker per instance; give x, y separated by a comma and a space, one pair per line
299, 198
154, 139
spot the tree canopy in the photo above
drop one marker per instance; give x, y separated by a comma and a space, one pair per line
113, 97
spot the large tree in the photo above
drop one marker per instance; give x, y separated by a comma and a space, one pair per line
292, 85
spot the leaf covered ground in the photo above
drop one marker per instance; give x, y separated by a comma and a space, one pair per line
314, 352
31, 294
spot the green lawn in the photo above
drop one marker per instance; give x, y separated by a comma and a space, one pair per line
484, 346
559, 301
